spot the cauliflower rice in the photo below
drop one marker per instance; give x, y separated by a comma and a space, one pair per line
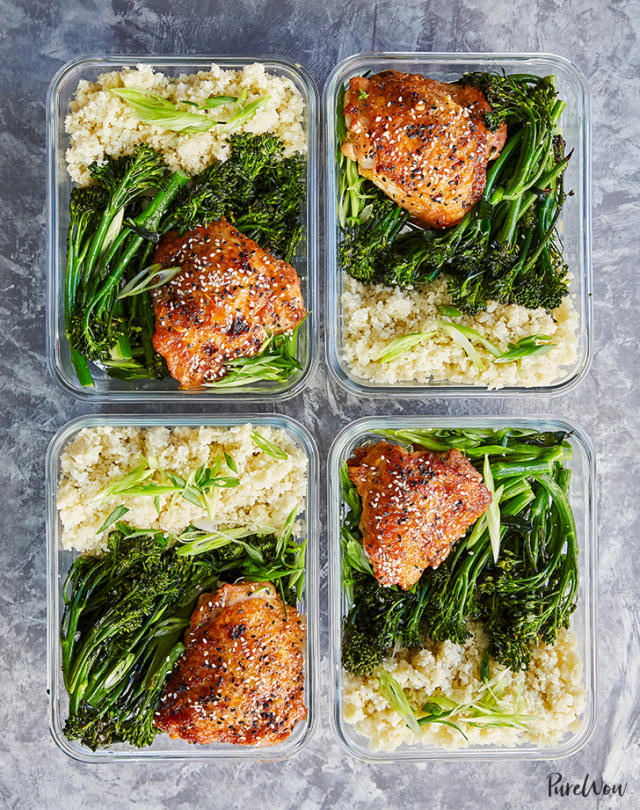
373, 315
101, 124
269, 488
550, 690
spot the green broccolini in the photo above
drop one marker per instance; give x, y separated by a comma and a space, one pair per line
116, 639
106, 221
380, 617
255, 188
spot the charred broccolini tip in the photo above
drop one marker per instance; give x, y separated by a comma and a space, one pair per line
256, 188
380, 617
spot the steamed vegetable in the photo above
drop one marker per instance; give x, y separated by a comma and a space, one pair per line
111, 225
515, 570
255, 188
507, 247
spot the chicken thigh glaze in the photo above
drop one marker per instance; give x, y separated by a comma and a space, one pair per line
240, 679
415, 505
423, 142
229, 296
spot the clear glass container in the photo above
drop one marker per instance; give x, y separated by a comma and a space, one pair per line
59, 561
583, 620
575, 224
59, 185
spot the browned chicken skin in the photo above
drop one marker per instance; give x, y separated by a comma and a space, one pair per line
414, 507
240, 679
229, 295
424, 143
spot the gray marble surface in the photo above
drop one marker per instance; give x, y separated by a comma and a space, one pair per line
36, 38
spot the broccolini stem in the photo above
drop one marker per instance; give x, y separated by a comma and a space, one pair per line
496, 168
508, 229
546, 181
543, 244
538, 517
149, 218
525, 161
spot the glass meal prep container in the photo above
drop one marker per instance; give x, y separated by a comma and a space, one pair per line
583, 620
60, 560
574, 225
59, 186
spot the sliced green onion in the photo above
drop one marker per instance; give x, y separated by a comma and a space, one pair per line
493, 522
526, 347
136, 476
231, 464
478, 528
493, 512
197, 542
113, 231
268, 446
286, 532
472, 334
463, 336
397, 700
432, 718
155, 109
245, 113
401, 345
456, 334
276, 360
357, 557
117, 513
439, 705
150, 278
449, 310
366, 213
217, 101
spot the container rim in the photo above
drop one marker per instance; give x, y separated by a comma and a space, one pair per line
311, 598
337, 367
311, 236
363, 425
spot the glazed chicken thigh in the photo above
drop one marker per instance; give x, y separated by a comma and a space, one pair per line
423, 142
240, 679
415, 505
228, 297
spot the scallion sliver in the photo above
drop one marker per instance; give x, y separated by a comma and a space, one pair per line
149, 278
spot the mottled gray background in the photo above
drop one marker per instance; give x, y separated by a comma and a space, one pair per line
35, 39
